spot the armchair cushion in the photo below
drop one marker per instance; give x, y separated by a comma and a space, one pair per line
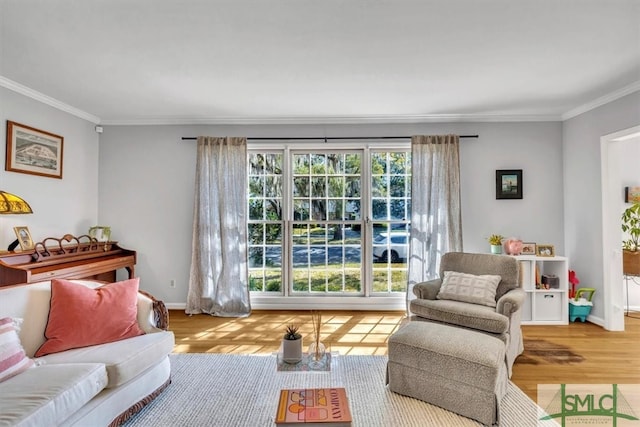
463, 314
469, 288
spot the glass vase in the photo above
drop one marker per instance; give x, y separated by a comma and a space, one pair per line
317, 358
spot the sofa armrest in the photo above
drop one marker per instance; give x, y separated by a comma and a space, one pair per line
428, 289
152, 313
510, 302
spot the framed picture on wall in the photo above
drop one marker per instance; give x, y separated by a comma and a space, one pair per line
509, 184
632, 194
33, 151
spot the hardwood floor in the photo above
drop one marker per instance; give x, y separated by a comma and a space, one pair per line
577, 353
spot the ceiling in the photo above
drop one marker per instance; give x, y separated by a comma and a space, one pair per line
329, 61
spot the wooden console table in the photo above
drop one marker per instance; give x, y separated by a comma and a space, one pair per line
69, 257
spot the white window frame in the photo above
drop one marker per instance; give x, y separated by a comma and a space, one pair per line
365, 301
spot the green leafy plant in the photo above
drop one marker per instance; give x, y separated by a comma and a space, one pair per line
631, 226
496, 239
291, 333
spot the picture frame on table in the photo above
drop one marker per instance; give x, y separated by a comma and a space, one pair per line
545, 250
100, 233
632, 194
528, 248
33, 151
509, 184
24, 238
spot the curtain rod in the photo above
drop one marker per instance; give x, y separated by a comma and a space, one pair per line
322, 138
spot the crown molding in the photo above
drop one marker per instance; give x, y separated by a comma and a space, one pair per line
629, 89
323, 120
314, 120
41, 97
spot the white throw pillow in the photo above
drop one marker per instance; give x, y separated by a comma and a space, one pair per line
13, 359
469, 288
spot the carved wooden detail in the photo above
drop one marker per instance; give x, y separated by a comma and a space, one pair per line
68, 257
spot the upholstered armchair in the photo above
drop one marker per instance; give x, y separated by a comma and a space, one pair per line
480, 292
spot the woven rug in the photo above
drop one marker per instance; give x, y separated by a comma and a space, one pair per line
242, 390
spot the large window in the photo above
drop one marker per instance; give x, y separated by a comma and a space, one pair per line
328, 222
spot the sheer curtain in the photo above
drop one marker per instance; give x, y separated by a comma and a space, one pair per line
218, 283
436, 220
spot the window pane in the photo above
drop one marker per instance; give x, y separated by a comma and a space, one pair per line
273, 211
273, 186
301, 186
353, 164
265, 226
256, 186
256, 236
319, 186
352, 187
390, 206
274, 163
336, 186
318, 164
256, 209
379, 186
301, 164
300, 210
273, 234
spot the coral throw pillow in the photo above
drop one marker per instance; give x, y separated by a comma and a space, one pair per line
80, 316
13, 360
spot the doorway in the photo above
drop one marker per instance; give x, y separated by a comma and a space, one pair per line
611, 233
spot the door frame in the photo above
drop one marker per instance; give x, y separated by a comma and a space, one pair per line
611, 233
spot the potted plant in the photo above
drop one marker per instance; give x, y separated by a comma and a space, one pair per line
292, 345
495, 240
631, 246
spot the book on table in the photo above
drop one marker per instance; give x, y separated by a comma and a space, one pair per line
308, 407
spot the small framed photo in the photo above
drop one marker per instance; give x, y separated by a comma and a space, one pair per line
545, 250
509, 184
528, 249
100, 233
33, 151
24, 238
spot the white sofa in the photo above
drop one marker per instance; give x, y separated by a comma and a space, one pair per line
93, 386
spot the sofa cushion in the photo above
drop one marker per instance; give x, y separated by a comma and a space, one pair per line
463, 314
80, 316
13, 359
124, 359
471, 288
47, 395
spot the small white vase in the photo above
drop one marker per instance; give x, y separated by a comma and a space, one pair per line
496, 249
292, 350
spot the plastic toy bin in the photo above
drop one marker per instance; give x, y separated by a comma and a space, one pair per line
580, 307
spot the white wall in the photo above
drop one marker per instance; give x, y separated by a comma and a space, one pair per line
147, 178
582, 187
60, 206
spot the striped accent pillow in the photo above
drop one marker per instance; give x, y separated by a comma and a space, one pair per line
13, 359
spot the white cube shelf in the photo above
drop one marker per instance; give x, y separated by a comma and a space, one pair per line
544, 306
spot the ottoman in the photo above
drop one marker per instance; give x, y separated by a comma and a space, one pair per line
457, 369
